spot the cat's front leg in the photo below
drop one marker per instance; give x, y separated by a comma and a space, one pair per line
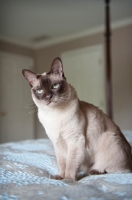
75, 158
61, 163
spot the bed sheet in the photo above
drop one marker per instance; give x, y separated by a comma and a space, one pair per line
25, 173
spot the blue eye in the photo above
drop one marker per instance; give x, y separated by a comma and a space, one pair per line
55, 85
39, 91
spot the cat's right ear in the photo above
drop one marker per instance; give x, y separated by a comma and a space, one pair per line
30, 76
57, 67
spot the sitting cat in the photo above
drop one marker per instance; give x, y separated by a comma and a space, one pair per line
84, 138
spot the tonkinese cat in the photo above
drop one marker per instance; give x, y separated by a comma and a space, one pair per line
84, 138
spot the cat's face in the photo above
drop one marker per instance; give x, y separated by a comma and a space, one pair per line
49, 88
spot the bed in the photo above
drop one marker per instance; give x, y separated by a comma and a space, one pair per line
26, 168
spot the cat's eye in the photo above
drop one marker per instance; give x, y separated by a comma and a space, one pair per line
39, 91
55, 85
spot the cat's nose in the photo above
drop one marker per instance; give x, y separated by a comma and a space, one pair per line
48, 96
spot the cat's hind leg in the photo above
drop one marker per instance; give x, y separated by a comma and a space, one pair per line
96, 172
113, 154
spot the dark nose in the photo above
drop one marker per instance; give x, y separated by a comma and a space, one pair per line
48, 96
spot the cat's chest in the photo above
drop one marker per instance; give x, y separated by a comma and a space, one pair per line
54, 122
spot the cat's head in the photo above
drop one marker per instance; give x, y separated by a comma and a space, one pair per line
49, 88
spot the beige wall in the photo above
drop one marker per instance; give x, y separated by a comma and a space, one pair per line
121, 68
18, 50
45, 56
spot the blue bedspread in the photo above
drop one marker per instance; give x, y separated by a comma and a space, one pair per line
26, 167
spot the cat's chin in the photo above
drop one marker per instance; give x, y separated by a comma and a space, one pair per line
51, 103
54, 104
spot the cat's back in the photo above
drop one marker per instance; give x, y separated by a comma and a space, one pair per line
97, 119
99, 124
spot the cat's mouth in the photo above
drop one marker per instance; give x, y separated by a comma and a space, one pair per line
50, 102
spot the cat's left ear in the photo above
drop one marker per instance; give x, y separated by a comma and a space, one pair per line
57, 67
30, 76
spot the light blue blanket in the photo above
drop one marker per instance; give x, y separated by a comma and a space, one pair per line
26, 167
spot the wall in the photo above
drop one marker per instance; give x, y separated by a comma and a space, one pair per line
45, 56
121, 70
20, 51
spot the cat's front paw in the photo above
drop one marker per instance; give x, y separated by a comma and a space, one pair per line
57, 177
70, 178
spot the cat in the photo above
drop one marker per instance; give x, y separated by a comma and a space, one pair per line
84, 138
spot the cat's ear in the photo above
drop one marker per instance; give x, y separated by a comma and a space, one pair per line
57, 67
30, 76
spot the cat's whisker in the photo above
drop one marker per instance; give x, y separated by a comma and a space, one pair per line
33, 111
67, 92
30, 104
32, 107
63, 97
